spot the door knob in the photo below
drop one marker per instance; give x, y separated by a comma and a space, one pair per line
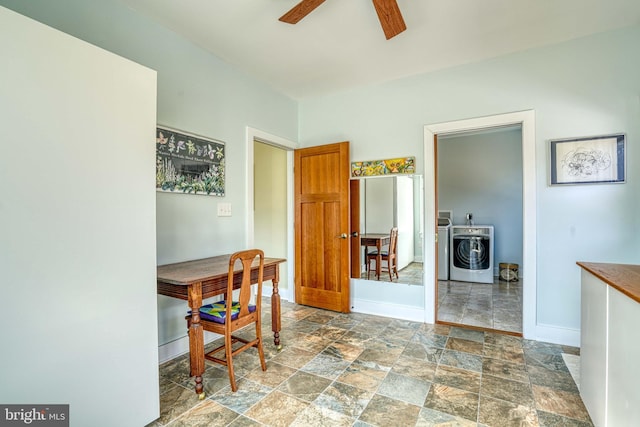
343, 236
354, 234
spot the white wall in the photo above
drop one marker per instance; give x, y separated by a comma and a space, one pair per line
77, 253
198, 93
379, 205
404, 220
481, 173
587, 86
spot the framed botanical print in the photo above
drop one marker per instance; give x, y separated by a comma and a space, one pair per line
188, 163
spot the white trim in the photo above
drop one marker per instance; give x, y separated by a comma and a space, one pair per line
249, 225
285, 294
527, 120
180, 346
385, 309
252, 135
290, 229
557, 335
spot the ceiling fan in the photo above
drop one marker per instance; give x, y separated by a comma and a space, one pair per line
387, 10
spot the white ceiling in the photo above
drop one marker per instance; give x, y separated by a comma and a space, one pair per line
341, 45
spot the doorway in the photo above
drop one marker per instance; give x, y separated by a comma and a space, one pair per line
479, 177
270, 201
270, 193
526, 119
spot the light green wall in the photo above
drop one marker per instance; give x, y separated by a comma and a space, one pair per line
583, 87
589, 86
198, 93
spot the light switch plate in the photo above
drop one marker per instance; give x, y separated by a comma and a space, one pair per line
224, 209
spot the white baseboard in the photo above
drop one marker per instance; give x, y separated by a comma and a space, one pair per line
285, 294
557, 335
173, 349
396, 311
180, 346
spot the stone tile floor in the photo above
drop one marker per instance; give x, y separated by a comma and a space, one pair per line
361, 370
496, 305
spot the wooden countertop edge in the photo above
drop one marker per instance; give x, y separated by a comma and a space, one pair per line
623, 277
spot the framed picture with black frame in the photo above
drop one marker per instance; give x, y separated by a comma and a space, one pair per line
189, 163
588, 160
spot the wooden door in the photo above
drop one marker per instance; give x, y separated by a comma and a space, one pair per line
321, 180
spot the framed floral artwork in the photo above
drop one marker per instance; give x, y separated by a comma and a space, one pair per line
188, 163
401, 165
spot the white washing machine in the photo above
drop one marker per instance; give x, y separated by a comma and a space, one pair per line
444, 226
471, 258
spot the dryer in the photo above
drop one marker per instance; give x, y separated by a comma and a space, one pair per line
471, 257
444, 225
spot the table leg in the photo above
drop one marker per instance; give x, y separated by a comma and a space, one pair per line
275, 310
196, 337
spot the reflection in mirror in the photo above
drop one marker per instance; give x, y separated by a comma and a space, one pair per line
386, 202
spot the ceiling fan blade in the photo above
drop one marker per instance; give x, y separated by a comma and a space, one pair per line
390, 17
300, 10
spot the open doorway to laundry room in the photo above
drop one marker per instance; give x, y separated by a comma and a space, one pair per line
480, 228
527, 273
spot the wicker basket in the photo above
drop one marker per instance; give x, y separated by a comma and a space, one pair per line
508, 272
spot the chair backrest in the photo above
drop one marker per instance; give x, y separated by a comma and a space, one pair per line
247, 259
393, 241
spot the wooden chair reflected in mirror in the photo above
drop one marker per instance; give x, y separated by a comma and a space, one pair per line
227, 316
388, 258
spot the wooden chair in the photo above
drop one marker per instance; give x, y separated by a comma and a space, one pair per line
389, 256
224, 319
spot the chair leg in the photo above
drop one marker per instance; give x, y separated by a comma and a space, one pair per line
260, 350
228, 351
368, 267
390, 271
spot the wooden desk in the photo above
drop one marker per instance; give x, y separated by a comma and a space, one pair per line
377, 240
196, 280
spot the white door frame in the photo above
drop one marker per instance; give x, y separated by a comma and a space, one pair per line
252, 135
527, 120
